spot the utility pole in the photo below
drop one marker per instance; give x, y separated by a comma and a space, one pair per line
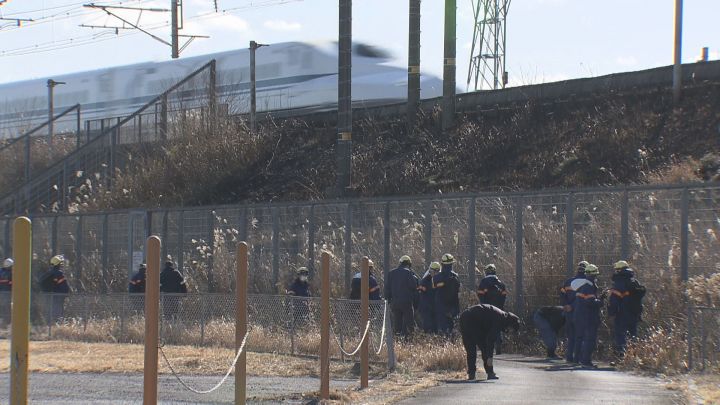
176, 23
344, 143
253, 95
448, 110
413, 64
677, 68
174, 29
51, 85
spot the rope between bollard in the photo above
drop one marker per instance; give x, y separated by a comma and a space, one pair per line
382, 333
357, 349
218, 385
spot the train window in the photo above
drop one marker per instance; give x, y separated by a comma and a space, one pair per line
368, 51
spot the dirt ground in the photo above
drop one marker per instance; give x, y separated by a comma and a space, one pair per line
80, 359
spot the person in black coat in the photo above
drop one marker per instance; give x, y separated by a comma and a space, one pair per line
493, 291
447, 303
300, 286
427, 299
171, 282
400, 292
136, 288
479, 326
137, 282
356, 284
549, 320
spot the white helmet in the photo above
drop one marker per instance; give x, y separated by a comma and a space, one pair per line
8, 263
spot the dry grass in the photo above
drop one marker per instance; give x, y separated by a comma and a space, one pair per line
698, 389
58, 356
659, 351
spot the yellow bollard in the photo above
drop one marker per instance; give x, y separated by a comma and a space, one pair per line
364, 316
325, 327
19, 356
152, 315
241, 321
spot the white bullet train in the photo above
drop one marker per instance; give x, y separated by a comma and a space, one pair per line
292, 75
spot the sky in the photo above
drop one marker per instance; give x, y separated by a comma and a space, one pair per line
547, 40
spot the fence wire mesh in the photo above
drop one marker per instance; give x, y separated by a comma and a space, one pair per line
276, 323
669, 235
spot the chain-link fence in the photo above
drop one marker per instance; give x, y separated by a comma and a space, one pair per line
665, 233
669, 235
704, 338
276, 323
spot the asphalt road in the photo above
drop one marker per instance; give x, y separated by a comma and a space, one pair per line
526, 380
126, 389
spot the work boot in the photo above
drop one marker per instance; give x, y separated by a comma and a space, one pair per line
471, 375
492, 376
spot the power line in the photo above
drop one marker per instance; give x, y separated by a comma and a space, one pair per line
104, 35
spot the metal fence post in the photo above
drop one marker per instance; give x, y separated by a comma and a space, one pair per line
123, 314
311, 242
690, 336
78, 130
86, 314
163, 117
54, 238
243, 232
105, 248
390, 343
703, 340
427, 231
519, 305
51, 314
472, 248
684, 227
202, 318
570, 229
275, 248
624, 226
348, 247
211, 259
8, 232
386, 241
27, 159
113, 143
181, 238
164, 253
78, 251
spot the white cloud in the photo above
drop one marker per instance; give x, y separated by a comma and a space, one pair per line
626, 61
282, 25
228, 22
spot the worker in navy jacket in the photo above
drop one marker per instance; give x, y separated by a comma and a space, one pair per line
479, 326
567, 298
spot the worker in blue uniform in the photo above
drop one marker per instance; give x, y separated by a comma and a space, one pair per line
427, 299
588, 303
625, 305
567, 298
447, 287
